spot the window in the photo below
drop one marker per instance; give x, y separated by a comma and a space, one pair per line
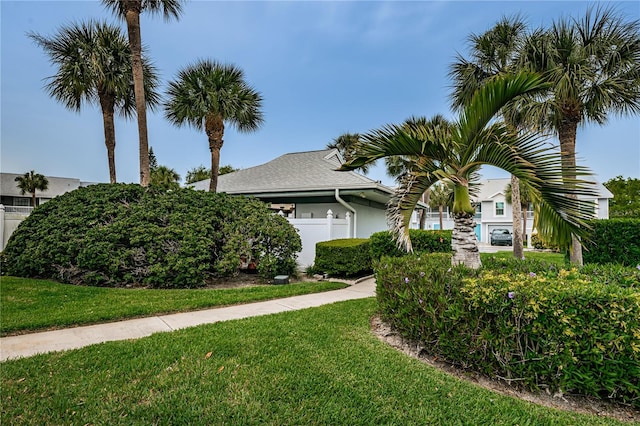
500, 208
22, 202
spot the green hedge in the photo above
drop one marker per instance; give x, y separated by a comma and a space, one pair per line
382, 243
116, 235
346, 257
614, 241
553, 330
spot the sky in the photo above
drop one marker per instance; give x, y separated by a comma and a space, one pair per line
324, 68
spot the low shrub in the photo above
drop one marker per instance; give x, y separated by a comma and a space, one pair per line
346, 257
115, 235
559, 330
538, 244
382, 243
613, 241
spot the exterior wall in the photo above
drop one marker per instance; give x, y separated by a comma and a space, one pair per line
602, 211
369, 220
319, 210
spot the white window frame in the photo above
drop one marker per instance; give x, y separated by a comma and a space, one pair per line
495, 208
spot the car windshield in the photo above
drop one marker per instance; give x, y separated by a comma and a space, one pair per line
502, 231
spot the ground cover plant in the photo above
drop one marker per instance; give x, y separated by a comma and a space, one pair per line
114, 235
29, 304
314, 366
536, 325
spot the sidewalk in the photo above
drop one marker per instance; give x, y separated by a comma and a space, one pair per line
73, 338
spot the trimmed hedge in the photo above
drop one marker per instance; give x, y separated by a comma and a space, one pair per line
382, 243
614, 241
345, 257
557, 330
117, 234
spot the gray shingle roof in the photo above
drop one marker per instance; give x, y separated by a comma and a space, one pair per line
295, 172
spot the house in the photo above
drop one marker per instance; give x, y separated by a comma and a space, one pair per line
493, 211
322, 203
15, 206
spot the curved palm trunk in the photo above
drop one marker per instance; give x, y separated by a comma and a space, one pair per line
567, 136
463, 241
134, 8
108, 107
214, 126
516, 207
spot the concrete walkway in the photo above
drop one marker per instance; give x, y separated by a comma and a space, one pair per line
73, 338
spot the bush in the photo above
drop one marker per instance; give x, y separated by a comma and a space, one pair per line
538, 244
382, 243
614, 241
347, 257
114, 235
555, 330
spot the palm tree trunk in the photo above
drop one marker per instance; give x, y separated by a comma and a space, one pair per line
33, 197
214, 126
134, 8
108, 107
567, 136
440, 211
516, 208
524, 222
464, 241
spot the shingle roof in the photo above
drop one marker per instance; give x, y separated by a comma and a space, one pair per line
295, 172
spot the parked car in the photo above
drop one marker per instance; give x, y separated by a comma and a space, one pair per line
501, 237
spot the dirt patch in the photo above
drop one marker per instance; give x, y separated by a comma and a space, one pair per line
576, 403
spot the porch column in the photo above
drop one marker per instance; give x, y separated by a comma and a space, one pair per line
348, 217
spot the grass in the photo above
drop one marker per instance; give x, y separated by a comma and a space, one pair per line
316, 366
28, 304
557, 258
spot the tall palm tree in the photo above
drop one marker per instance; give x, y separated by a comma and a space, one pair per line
455, 153
493, 53
346, 144
31, 182
205, 96
165, 178
130, 11
526, 196
593, 65
92, 60
440, 196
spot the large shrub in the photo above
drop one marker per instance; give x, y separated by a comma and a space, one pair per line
558, 330
423, 241
345, 257
113, 235
614, 241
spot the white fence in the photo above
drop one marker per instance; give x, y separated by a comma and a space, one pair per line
312, 231
10, 218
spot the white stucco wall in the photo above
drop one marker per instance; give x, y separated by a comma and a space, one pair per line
369, 220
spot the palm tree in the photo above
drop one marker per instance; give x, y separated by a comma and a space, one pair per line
593, 66
197, 174
165, 178
206, 95
440, 197
31, 182
526, 196
346, 145
493, 53
130, 11
92, 61
455, 153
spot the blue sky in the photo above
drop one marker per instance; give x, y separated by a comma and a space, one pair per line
323, 68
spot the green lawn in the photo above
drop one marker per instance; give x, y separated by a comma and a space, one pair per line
557, 258
319, 366
28, 304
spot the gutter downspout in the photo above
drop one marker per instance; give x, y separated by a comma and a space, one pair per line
351, 209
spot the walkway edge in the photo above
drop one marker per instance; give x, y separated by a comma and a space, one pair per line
25, 345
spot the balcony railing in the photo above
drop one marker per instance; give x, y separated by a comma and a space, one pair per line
18, 209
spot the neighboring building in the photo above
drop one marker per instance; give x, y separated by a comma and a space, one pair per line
493, 211
15, 207
322, 203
